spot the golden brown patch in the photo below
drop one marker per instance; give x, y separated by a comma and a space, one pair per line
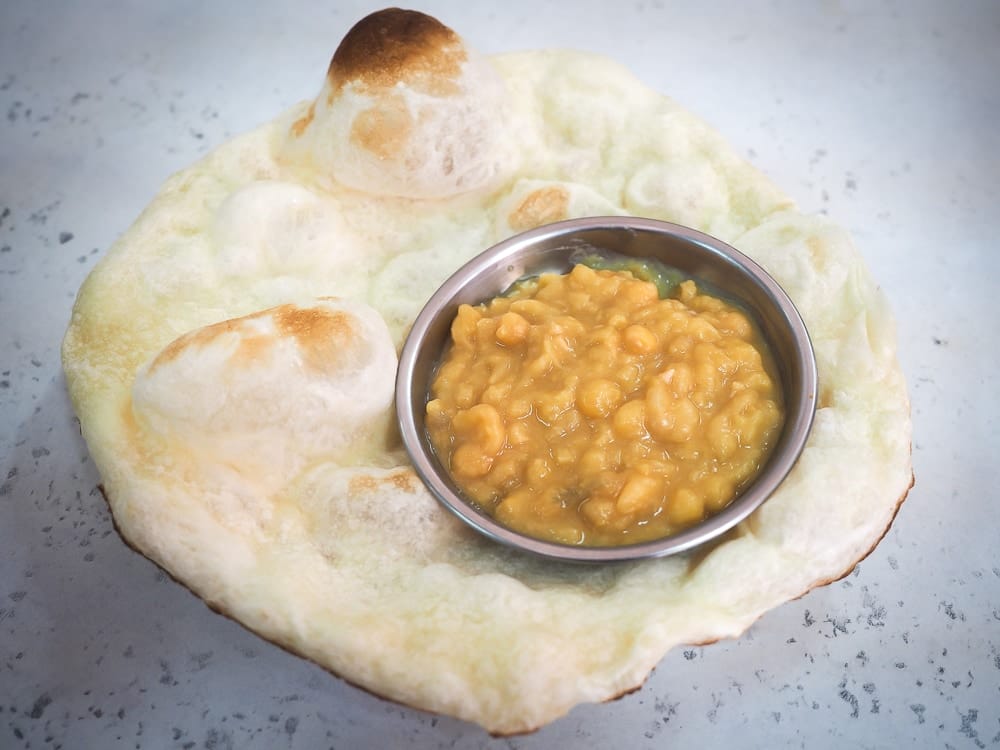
319, 332
404, 480
251, 349
300, 125
312, 326
384, 129
362, 484
542, 206
398, 46
200, 337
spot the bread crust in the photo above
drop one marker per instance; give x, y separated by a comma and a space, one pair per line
221, 610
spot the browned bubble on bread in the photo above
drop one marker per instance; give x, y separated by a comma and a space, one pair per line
398, 46
268, 392
406, 110
316, 329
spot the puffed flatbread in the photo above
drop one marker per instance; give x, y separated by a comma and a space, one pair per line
231, 360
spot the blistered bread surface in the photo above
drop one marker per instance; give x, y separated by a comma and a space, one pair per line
232, 358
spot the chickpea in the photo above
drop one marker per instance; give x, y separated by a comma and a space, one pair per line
718, 492
629, 376
465, 395
707, 376
538, 367
558, 345
639, 339
710, 306
532, 309
564, 456
496, 395
519, 434
640, 293
598, 397
687, 291
463, 329
701, 330
514, 507
602, 435
469, 461
680, 378
618, 321
482, 426
759, 381
517, 408
638, 495
578, 300
727, 365
735, 324
610, 483
567, 532
568, 326
744, 403
568, 422
549, 406
703, 400
598, 511
450, 372
630, 419
436, 411
505, 472
582, 276
685, 507
512, 329
602, 356
537, 470
721, 436
496, 368
680, 346
668, 417
607, 335
594, 461
657, 467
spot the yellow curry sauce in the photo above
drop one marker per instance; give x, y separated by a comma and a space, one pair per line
584, 409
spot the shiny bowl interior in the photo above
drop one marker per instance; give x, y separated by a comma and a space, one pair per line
552, 248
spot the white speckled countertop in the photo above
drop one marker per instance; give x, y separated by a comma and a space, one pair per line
884, 115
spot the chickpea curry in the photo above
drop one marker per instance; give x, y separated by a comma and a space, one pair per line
585, 409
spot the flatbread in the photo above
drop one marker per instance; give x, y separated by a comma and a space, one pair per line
231, 361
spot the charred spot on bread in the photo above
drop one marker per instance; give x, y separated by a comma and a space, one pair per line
406, 110
398, 46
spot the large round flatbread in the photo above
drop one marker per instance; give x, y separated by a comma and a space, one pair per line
232, 359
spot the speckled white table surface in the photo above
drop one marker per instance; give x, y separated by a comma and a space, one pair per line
884, 115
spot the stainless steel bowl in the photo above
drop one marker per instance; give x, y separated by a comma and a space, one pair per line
552, 248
